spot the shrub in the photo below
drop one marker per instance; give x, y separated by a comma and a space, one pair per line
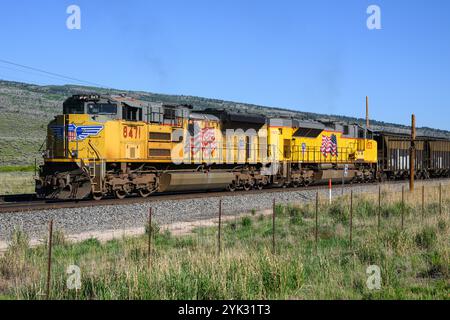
279, 209
438, 265
370, 254
426, 238
326, 232
136, 254
13, 262
294, 213
165, 237
91, 242
307, 211
394, 237
232, 226
19, 240
432, 208
395, 209
365, 208
184, 242
246, 222
442, 225
338, 212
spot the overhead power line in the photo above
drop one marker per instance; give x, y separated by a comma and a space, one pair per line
53, 73
33, 73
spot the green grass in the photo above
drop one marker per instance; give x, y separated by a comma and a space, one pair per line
22, 131
17, 168
16, 182
414, 261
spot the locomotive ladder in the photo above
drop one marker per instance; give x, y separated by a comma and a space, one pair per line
97, 170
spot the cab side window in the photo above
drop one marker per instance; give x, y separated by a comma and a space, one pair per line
131, 113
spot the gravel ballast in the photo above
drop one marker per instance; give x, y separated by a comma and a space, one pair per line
121, 217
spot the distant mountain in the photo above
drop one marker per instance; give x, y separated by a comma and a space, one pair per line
25, 110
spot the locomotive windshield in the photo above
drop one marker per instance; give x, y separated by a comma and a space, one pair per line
73, 107
102, 108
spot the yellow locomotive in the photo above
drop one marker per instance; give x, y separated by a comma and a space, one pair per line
115, 145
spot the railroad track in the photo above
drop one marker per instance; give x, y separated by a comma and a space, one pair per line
36, 204
29, 202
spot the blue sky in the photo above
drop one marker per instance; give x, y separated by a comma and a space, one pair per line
316, 56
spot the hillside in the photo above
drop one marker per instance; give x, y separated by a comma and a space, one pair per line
25, 110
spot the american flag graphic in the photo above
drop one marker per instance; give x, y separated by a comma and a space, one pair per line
204, 140
329, 146
71, 135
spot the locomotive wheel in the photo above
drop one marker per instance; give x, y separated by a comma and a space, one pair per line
97, 196
259, 186
247, 186
231, 187
120, 194
144, 193
66, 192
295, 184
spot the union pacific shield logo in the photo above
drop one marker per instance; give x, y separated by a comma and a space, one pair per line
82, 132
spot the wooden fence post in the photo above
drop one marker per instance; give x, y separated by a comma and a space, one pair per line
150, 229
49, 261
403, 205
316, 229
220, 228
351, 217
423, 202
273, 226
379, 210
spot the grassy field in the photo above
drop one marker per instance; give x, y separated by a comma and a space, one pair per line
414, 260
16, 182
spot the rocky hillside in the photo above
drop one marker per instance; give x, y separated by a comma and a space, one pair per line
25, 110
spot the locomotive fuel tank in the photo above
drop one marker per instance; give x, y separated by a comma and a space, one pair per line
182, 181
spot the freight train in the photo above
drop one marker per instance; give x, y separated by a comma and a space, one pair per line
102, 146
432, 156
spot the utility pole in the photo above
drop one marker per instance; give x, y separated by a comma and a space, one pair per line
367, 113
367, 117
412, 154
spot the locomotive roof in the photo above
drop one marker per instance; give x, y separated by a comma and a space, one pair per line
228, 116
202, 116
130, 101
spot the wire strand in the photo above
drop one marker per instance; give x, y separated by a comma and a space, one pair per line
53, 74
